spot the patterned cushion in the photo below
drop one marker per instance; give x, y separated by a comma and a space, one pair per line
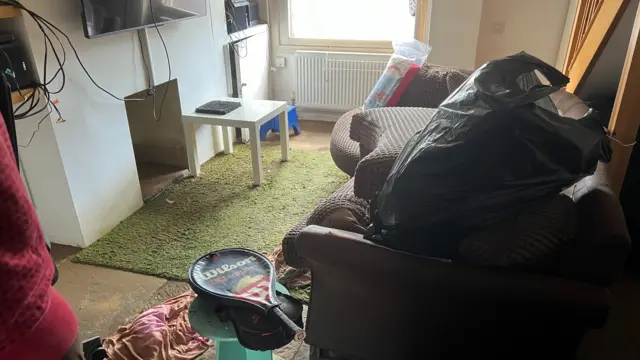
344, 151
432, 86
382, 133
530, 240
340, 201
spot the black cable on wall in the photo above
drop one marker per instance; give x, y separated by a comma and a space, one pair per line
54, 48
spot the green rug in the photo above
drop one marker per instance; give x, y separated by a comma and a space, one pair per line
220, 209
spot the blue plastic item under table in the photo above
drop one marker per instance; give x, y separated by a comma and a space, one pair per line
274, 124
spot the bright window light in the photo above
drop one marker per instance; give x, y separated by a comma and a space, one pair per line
366, 20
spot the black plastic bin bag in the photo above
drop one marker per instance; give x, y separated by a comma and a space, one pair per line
495, 145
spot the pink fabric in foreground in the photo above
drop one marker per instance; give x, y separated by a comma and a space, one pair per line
160, 333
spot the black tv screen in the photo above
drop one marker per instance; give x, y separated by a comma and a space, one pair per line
102, 17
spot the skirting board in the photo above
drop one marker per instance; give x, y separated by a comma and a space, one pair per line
321, 115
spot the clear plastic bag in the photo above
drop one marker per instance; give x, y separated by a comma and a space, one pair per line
403, 66
412, 49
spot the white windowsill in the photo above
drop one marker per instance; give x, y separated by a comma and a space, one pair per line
291, 49
244, 34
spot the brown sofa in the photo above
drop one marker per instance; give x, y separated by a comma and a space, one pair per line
429, 89
372, 302
367, 143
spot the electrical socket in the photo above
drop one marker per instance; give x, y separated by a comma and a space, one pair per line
281, 62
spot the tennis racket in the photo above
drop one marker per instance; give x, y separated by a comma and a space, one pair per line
241, 278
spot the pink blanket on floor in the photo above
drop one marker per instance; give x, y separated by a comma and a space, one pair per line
160, 333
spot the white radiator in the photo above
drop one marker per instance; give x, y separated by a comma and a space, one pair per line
336, 81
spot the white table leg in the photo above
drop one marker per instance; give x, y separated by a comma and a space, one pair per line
226, 139
192, 149
284, 135
256, 156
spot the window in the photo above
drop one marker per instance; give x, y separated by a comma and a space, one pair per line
346, 23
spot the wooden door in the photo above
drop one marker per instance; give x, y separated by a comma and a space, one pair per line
594, 23
625, 119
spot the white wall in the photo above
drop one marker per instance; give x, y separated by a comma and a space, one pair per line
94, 143
41, 165
604, 79
453, 32
284, 79
197, 60
533, 26
46, 180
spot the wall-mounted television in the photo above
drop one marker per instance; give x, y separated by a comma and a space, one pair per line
104, 17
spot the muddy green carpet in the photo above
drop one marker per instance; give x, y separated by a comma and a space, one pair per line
218, 210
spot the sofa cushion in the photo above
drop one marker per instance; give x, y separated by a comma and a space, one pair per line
432, 86
382, 133
532, 239
343, 201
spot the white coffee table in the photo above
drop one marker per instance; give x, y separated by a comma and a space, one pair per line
251, 115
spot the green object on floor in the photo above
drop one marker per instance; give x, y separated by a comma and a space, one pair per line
232, 350
220, 209
205, 322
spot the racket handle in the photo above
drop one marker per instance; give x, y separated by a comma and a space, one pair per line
289, 326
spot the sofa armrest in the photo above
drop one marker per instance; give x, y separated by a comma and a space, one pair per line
342, 200
604, 240
323, 246
366, 131
370, 294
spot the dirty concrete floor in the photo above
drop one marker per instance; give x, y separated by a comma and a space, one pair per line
104, 299
316, 135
